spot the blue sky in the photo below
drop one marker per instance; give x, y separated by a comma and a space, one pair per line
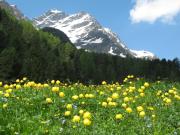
157, 32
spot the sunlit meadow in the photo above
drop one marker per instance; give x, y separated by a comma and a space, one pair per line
132, 107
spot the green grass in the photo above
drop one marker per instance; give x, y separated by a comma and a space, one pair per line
26, 112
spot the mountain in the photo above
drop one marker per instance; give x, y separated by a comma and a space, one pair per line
13, 9
83, 30
87, 33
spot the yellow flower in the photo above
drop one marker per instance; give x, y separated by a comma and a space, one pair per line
142, 94
153, 116
52, 81
168, 100
82, 103
61, 94
115, 96
175, 92
142, 114
81, 95
101, 93
140, 90
112, 104
104, 83
5, 105
146, 84
8, 90
131, 89
143, 87
124, 105
125, 80
81, 112
158, 81
46, 85
87, 115
129, 110
104, 104
55, 89
76, 118
91, 96
67, 113
139, 108
75, 97
69, 106
150, 108
119, 116
177, 97
126, 99
171, 91
109, 99
6, 95
111, 89
86, 95
17, 80
58, 82
1, 84
86, 122
24, 78
49, 100
6, 86
18, 86
124, 93
118, 88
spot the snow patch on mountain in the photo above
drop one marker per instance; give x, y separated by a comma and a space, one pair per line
143, 54
111, 51
55, 11
94, 41
122, 55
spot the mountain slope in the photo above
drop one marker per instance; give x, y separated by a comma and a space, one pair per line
13, 9
85, 32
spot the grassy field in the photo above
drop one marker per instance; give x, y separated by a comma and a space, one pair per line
133, 107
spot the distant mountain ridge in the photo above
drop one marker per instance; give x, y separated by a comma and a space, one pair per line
13, 9
84, 31
87, 33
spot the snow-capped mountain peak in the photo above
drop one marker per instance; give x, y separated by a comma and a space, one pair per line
49, 18
85, 32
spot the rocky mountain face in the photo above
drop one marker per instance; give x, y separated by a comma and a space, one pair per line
86, 33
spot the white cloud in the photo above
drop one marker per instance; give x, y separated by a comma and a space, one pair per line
153, 10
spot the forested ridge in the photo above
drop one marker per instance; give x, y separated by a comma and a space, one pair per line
40, 56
